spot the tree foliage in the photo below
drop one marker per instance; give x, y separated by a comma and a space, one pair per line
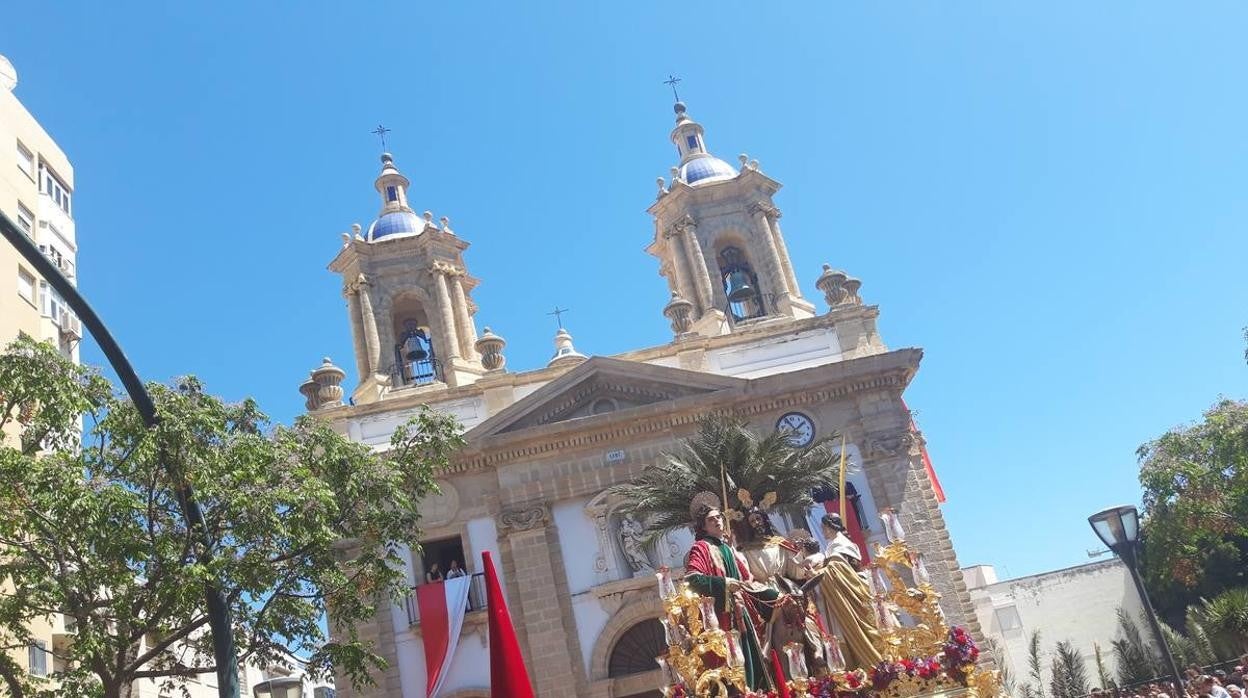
91, 525
1224, 622
661, 495
1195, 481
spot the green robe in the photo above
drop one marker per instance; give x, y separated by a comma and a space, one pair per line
709, 563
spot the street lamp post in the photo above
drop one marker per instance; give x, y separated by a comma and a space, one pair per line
288, 687
1119, 529
223, 646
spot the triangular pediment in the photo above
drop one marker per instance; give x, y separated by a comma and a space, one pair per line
601, 386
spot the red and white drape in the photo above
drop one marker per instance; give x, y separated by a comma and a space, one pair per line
442, 608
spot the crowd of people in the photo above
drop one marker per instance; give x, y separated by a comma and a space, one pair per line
1197, 684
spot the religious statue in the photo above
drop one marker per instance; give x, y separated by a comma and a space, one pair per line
714, 569
770, 559
630, 542
847, 596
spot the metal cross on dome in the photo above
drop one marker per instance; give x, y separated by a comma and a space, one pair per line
558, 313
671, 81
381, 132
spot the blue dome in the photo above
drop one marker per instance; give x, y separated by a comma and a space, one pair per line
707, 169
395, 223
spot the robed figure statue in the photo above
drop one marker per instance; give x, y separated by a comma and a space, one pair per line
847, 596
713, 568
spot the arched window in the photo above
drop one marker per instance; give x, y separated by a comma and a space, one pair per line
636, 649
740, 285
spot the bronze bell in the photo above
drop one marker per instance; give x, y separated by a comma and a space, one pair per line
739, 289
413, 348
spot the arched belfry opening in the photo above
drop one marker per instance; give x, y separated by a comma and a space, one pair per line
740, 284
415, 356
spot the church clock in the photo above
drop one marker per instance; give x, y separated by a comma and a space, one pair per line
799, 426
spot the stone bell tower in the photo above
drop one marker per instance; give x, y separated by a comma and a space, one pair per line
717, 237
408, 298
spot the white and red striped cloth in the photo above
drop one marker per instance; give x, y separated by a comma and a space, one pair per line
442, 608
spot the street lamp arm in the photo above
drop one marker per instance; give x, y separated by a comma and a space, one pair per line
218, 611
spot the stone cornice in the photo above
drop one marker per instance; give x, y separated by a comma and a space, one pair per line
891, 371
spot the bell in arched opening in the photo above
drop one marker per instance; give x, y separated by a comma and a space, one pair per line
414, 356
740, 285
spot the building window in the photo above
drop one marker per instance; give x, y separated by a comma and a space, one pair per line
1008, 619
37, 654
636, 649
25, 219
392, 193
322, 692
56, 190
26, 285
25, 160
692, 142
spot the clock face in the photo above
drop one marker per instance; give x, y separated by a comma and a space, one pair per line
800, 428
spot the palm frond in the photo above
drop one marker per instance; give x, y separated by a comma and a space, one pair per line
661, 494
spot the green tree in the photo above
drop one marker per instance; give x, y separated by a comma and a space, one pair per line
1225, 619
1068, 671
759, 465
1195, 481
91, 526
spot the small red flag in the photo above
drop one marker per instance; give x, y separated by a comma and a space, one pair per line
508, 677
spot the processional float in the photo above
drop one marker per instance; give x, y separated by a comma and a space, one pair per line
922, 655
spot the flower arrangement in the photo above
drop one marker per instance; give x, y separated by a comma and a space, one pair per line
950, 668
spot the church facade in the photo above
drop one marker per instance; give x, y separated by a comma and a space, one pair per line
543, 445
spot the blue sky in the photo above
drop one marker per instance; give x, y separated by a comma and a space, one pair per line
1049, 198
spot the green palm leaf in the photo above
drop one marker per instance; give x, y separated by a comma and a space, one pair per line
661, 494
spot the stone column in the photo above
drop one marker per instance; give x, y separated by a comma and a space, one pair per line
679, 271
781, 284
466, 332
446, 311
552, 666
773, 222
898, 479
688, 231
351, 293
372, 344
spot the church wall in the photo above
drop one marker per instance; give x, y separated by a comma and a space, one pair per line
579, 541
776, 354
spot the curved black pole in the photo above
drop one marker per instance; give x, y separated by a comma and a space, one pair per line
218, 611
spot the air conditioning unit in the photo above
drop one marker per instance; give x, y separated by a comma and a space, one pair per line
70, 324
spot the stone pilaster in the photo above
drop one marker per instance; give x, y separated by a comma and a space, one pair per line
447, 313
351, 293
898, 479
773, 223
538, 576
780, 283
465, 331
687, 231
372, 345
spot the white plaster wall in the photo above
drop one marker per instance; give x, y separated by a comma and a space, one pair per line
591, 618
579, 542
376, 430
776, 354
1078, 604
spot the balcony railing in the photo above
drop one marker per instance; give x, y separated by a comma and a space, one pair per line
424, 372
476, 598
